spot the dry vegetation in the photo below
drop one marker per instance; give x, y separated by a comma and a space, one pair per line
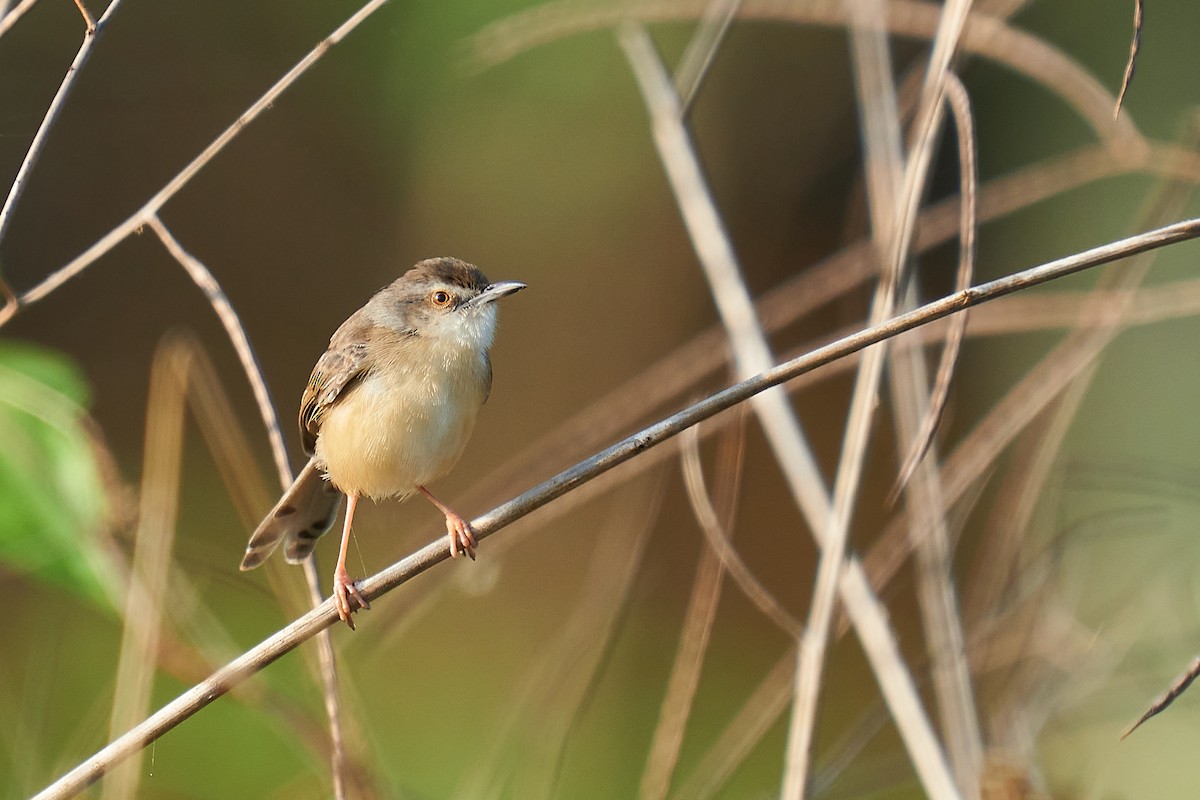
961, 543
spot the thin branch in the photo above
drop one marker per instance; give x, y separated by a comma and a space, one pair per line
680, 694
172, 187
304, 628
88, 20
751, 352
1169, 696
960, 106
702, 49
153, 542
990, 37
90, 37
718, 540
9, 19
11, 302
204, 279
894, 189
916, 413
1135, 46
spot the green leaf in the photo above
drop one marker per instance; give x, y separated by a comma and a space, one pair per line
52, 498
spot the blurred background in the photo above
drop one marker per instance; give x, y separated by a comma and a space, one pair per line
540, 670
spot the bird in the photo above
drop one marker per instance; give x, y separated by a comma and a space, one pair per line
388, 409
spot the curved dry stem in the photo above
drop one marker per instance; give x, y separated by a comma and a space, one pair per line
960, 106
715, 532
680, 693
307, 626
928, 528
983, 35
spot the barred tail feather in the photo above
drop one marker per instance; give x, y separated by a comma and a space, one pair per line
301, 516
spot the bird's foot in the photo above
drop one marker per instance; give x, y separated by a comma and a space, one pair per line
347, 597
461, 535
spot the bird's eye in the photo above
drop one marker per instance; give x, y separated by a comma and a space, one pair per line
441, 298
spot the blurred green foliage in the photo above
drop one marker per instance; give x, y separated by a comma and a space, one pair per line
52, 497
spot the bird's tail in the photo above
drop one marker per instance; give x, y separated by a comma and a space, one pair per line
301, 516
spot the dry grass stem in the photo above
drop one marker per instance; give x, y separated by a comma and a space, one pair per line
893, 189
154, 539
9, 17
676, 705
1135, 46
1166, 698
236, 332
717, 536
702, 48
915, 414
960, 105
987, 36
750, 349
88, 19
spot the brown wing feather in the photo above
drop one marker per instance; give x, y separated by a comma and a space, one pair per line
335, 371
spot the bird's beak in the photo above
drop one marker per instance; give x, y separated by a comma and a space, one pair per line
495, 291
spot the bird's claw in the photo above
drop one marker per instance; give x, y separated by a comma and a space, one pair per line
347, 597
461, 535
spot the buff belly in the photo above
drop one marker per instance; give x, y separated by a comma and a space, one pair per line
397, 433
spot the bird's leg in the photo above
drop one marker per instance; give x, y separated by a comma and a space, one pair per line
345, 593
460, 532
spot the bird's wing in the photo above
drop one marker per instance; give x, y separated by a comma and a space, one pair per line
336, 371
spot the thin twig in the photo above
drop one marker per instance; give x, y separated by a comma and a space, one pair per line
88, 19
1135, 46
7, 20
718, 540
153, 543
12, 304
1166, 698
234, 329
960, 106
702, 49
983, 35
291, 636
172, 187
680, 694
751, 352
90, 37
913, 408
894, 190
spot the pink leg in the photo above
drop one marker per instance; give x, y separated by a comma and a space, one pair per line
462, 535
345, 593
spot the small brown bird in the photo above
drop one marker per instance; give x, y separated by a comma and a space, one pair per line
388, 410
